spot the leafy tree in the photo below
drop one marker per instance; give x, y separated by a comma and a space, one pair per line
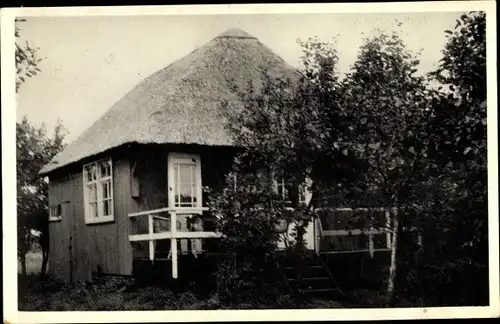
34, 149
384, 106
458, 162
27, 59
382, 136
247, 215
281, 126
279, 131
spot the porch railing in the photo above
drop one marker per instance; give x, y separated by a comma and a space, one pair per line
173, 234
370, 231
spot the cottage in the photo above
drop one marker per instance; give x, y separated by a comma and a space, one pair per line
115, 192
147, 158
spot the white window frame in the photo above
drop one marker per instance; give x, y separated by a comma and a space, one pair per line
98, 182
305, 195
55, 213
188, 158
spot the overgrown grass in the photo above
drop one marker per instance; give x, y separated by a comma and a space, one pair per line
121, 294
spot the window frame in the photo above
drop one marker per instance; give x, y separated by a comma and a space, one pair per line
99, 181
279, 186
55, 213
174, 158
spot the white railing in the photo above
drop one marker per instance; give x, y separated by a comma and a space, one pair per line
173, 235
370, 232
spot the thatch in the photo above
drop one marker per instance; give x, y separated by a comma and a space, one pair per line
184, 102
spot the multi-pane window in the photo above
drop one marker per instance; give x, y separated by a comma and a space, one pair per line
284, 189
55, 213
98, 191
185, 171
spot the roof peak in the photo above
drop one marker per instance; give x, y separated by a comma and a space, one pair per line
235, 33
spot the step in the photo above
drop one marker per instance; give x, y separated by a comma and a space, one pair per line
320, 290
307, 267
308, 278
307, 272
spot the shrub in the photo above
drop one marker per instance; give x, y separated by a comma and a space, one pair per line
247, 218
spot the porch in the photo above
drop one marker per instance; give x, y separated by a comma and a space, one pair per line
174, 235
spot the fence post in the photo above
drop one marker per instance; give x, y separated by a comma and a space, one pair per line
371, 245
151, 241
173, 229
388, 225
316, 233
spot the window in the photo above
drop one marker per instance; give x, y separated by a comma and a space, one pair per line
55, 213
98, 191
285, 189
184, 178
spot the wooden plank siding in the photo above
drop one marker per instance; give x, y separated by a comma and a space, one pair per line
80, 253
140, 183
123, 205
94, 247
60, 232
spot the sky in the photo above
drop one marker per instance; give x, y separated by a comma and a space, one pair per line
89, 63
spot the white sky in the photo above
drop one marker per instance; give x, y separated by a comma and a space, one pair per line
91, 62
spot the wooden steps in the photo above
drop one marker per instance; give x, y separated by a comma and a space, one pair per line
310, 277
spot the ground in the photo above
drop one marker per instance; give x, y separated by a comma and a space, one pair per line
117, 293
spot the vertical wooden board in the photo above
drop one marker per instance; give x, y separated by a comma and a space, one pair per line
82, 263
107, 249
122, 205
59, 236
93, 244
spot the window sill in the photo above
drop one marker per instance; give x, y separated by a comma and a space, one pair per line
55, 219
190, 210
100, 220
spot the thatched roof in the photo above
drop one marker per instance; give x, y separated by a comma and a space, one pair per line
182, 103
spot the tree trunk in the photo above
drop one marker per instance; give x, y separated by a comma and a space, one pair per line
44, 244
393, 266
22, 258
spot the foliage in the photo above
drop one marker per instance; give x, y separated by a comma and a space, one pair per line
459, 167
27, 59
279, 131
281, 126
383, 106
122, 294
382, 136
247, 217
34, 149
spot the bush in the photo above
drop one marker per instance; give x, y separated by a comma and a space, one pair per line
247, 218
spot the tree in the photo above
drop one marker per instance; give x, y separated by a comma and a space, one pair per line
27, 59
458, 159
280, 136
282, 124
34, 150
384, 106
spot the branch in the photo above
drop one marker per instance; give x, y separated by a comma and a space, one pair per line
382, 173
407, 183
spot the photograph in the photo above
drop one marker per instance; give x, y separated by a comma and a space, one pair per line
250, 158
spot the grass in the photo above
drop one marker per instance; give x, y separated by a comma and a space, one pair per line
109, 294
121, 294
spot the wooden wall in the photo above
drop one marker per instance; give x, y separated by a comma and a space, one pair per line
77, 249
59, 253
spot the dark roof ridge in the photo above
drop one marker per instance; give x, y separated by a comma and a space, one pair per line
235, 33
